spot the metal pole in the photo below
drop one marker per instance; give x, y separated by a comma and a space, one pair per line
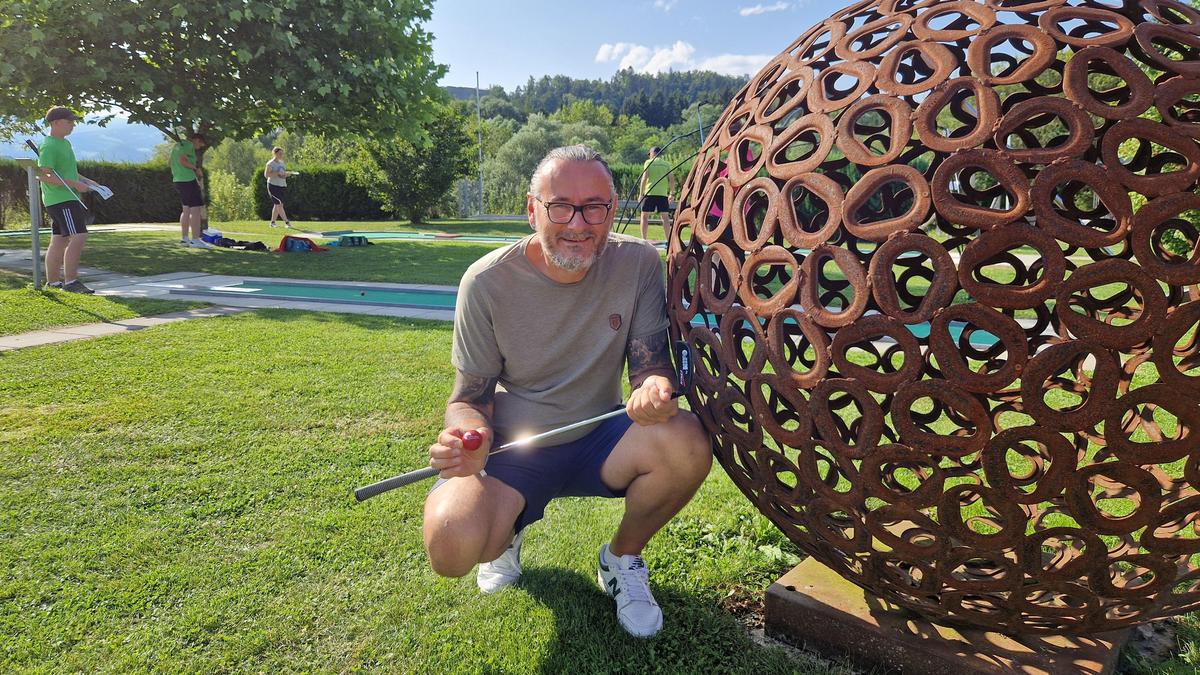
700, 122
35, 220
479, 129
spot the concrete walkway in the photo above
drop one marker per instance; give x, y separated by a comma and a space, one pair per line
191, 286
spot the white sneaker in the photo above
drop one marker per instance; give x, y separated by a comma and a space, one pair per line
184, 243
502, 571
627, 580
200, 243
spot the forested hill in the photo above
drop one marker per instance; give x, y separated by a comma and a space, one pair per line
657, 99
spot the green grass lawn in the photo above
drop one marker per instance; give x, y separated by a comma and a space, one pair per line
148, 253
488, 228
179, 499
23, 309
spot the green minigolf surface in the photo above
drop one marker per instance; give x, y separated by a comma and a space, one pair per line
426, 299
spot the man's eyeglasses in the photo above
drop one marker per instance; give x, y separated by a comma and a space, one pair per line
561, 213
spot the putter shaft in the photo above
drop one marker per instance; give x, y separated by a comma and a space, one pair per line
364, 493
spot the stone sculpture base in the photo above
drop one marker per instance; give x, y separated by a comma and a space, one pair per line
813, 606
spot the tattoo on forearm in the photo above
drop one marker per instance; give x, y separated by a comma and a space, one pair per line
649, 356
473, 390
470, 403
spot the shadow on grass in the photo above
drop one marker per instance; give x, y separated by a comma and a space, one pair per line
697, 635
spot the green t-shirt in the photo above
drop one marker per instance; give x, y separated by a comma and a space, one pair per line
655, 169
57, 154
179, 172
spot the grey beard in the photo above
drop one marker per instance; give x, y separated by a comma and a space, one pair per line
570, 263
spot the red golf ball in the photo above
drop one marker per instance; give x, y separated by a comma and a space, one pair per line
472, 439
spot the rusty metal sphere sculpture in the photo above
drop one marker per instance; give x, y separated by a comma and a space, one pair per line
937, 265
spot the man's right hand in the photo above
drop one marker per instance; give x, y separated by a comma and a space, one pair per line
452, 460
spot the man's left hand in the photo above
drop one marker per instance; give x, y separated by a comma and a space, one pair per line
651, 403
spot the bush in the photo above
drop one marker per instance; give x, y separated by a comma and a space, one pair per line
228, 198
320, 193
14, 196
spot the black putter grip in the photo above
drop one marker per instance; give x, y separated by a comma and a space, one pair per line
394, 482
32, 147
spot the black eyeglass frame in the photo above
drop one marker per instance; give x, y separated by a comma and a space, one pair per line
577, 209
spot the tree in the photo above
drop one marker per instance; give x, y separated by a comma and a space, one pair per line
584, 110
245, 160
225, 68
492, 106
410, 177
633, 140
506, 175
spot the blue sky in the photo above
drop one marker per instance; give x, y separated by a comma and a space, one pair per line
509, 41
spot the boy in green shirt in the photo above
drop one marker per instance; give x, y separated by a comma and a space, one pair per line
61, 185
186, 175
658, 183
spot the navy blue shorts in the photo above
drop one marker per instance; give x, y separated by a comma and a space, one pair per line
655, 204
189, 193
567, 470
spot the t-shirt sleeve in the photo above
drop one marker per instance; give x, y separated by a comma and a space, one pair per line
47, 156
474, 348
650, 315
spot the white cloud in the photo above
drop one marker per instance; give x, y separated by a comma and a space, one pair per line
676, 57
763, 9
735, 64
612, 52
665, 5
637, 57
679, 56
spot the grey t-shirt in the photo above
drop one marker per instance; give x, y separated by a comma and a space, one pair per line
276, 165
558, 350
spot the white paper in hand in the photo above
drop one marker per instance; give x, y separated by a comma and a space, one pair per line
99, 189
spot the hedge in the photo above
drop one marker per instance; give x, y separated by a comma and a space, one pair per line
142, 193
321, 193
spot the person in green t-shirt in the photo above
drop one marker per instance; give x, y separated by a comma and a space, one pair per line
61, 186
187, 174
657, 186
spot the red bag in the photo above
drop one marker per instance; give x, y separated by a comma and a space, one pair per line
290, 244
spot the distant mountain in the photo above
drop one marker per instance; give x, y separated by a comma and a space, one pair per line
462, 93
119, 141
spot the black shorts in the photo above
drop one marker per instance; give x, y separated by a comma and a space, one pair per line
189, 193
67, 218
278, 193
655, 204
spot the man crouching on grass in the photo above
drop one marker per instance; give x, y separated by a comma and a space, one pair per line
542, 331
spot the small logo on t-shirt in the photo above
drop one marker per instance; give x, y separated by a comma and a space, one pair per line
614, 320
